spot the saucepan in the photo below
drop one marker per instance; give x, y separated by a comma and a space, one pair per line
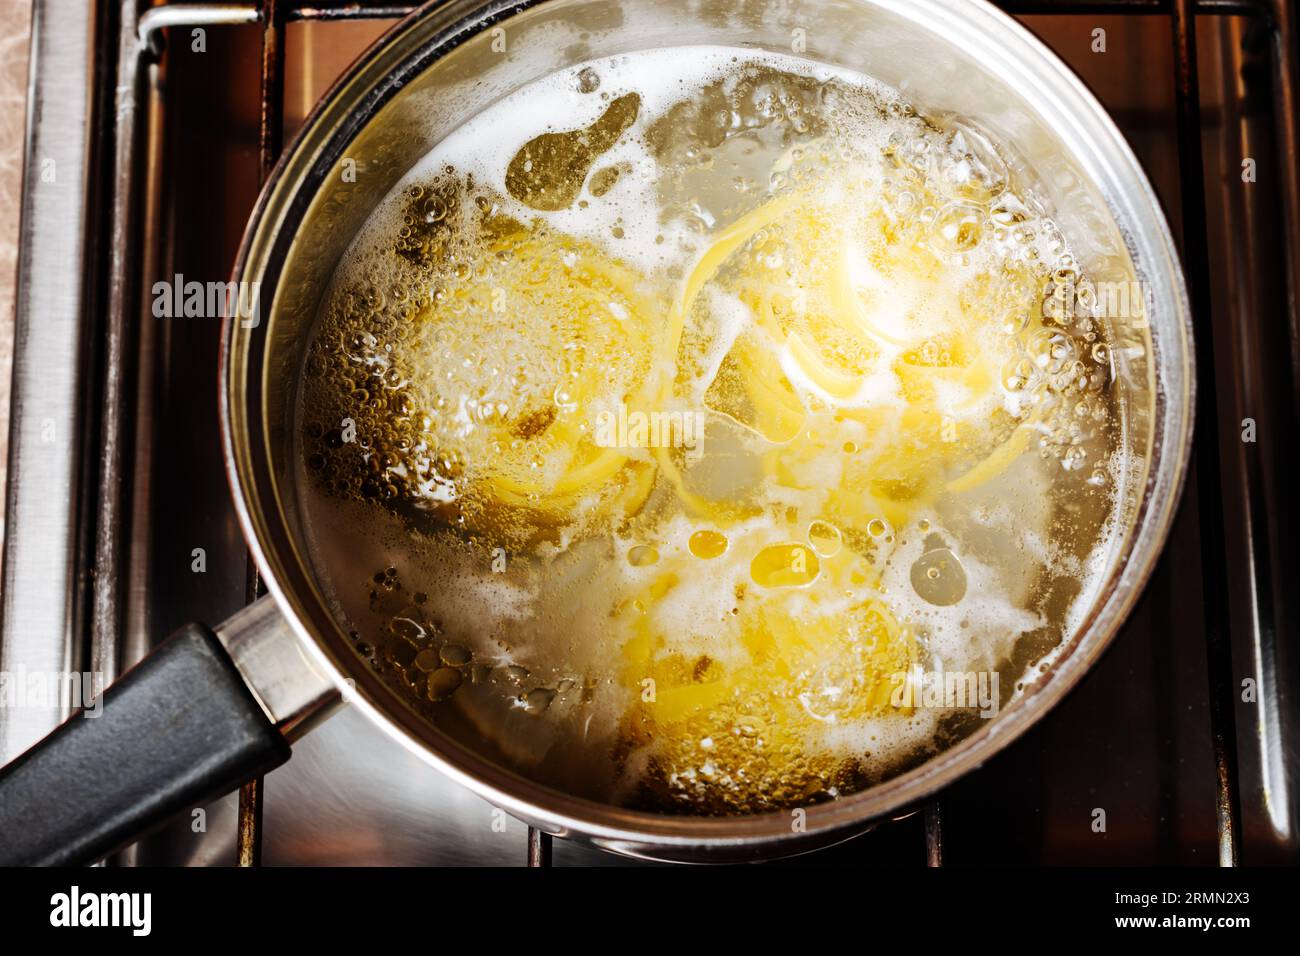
210, 709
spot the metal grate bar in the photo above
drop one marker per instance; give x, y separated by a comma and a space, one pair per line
1286, 79
1206, 444
351, 11
933, 832
539, 848
270, 143
272, 128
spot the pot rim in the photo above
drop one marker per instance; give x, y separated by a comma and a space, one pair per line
427, 35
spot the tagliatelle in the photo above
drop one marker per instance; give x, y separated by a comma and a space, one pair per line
841, 298
731, 239
778, 417
847, 302
728, 242
613, 314
863, 653
1002, 458
937, 378
799, 286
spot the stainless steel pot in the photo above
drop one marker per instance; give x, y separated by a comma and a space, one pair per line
291, 657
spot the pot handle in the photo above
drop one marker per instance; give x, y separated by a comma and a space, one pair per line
180, 728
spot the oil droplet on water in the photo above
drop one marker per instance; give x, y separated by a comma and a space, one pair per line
785, 566
708, 544
825, 538
603, 180
939, 578
642, 556
443, 683
453, 655
548, 171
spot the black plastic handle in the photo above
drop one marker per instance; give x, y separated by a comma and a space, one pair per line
175, 731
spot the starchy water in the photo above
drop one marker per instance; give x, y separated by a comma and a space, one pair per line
679, 417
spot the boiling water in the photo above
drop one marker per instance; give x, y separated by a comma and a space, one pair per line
680, 418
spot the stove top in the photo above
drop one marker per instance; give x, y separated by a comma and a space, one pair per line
1184, 733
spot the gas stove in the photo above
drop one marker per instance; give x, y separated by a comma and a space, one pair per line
163, 120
